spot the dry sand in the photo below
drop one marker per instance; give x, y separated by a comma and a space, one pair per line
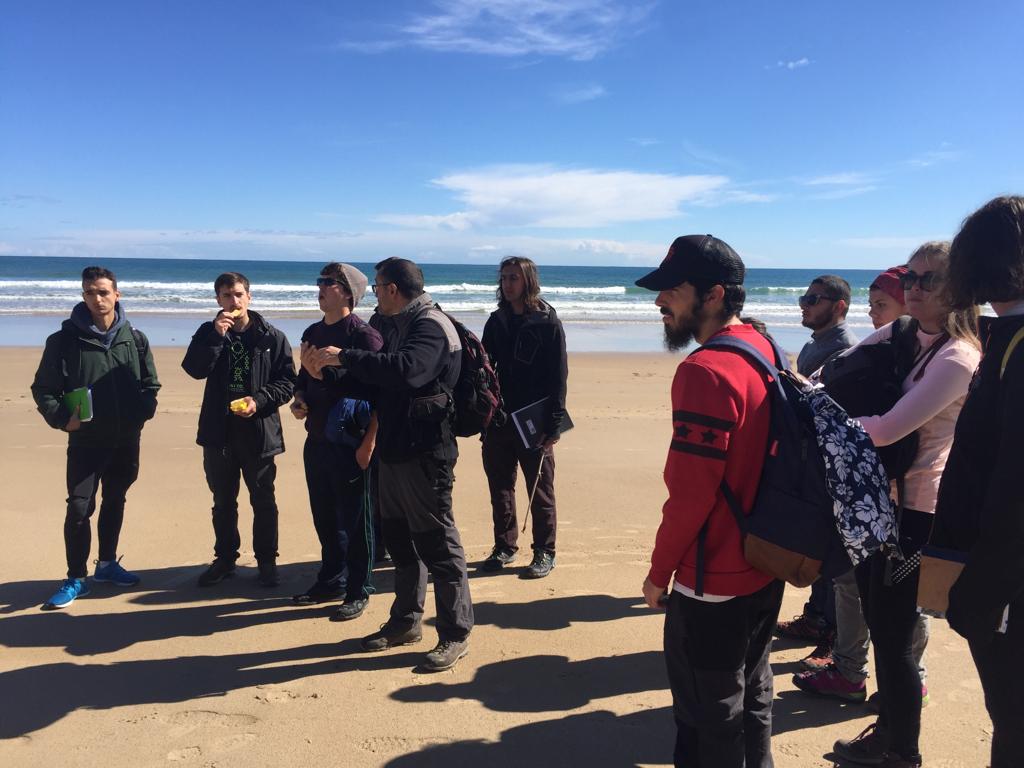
562, 671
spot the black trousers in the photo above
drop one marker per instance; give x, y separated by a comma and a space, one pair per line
420, 532
890, 611
502, 452
113, 465
721, 679
222, 467
999, 662
340, 503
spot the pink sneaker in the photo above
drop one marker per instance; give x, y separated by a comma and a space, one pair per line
830, 682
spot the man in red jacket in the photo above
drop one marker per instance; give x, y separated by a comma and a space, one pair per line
718, 627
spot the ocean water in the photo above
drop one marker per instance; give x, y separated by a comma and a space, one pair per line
600, 306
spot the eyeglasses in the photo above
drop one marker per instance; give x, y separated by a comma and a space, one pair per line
929, 281
811, 299
377, 286
326, 282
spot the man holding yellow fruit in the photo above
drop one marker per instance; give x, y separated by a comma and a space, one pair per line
250, 374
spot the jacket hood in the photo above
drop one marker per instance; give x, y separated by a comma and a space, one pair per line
543, 314
81, 320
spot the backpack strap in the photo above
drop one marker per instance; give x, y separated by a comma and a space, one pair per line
1017, 338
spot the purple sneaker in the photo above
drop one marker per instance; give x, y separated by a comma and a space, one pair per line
830, 682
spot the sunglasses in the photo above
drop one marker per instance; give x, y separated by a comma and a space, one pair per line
375, 286
929, 281
326, 282
812, 299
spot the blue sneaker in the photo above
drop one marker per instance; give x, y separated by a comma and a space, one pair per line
113, 572
66, 594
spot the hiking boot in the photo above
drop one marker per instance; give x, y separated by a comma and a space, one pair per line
869, 747
820, 657
498, 559
219, 570
541, 566
893, 760
445, 655
68, 591
875, 699
390, 636
830, 682
802, 628
319, 593
114, 574
350, 609
267, 577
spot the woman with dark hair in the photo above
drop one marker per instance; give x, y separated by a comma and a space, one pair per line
980, 509
933, 394
526, 342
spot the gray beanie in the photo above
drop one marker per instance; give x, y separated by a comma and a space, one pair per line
355, 281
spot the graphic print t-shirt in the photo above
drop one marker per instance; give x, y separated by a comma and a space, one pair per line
239, 363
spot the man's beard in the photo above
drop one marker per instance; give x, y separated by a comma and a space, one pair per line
679, 333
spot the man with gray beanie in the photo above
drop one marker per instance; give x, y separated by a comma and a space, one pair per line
340, 436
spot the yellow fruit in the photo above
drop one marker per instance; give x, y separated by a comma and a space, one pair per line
237, 406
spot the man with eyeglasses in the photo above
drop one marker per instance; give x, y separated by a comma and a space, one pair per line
339, 445
250, 374
413, 376
823, 307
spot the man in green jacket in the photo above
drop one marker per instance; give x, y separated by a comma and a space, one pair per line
98, 383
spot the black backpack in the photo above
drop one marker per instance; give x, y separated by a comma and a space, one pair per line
869, 381
822, 503
477, 395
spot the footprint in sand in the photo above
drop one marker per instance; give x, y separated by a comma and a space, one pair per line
187, 753
190, 720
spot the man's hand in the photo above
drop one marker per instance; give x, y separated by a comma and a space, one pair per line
299, 408
547, 443
653, 596
364, 453
74, 423
328, 356
223, 323
250, 408
308, 360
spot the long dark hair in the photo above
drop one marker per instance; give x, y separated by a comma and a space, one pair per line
986, 261
531, 290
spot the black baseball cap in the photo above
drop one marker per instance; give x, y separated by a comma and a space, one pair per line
696, 258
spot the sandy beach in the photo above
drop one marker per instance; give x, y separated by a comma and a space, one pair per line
566, 670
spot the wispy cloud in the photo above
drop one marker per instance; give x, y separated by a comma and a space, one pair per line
644, 141
454, 221
837, 186
580, 94
945, 154
791, 65
575, 29
23, 201
889, 242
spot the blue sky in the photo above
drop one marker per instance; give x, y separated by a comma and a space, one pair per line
806, 134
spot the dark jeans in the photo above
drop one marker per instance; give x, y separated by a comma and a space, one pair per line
115, 466
416, 510
223, 466
821, 606
1000, 667
891, 614
502, 451
721, 680
340, 505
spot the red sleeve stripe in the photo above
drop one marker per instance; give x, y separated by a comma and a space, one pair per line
705, 421
698, 450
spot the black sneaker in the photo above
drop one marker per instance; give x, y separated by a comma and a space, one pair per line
498, 559
445, 655
389, 636
869, 747
350, 609
319, 593
267, 576
541, 566
219, 570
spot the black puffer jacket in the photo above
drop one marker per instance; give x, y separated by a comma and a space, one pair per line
980, 508
272, 381
421, 353
531, 362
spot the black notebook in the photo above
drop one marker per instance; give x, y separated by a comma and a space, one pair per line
529, 421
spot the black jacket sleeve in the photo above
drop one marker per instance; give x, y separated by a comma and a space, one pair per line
281, 379
558, 378
148, 382
994, 575
203, 352
48, 384
421, 359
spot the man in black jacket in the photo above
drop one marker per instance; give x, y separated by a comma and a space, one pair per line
98, 352
412, 379
525, 339
250, 374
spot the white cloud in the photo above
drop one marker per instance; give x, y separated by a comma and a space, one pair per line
844, 192
644, 141
885, 243
574, 29
934, 157
545, 196
849, 178
791, 65
455, 221
580, 94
